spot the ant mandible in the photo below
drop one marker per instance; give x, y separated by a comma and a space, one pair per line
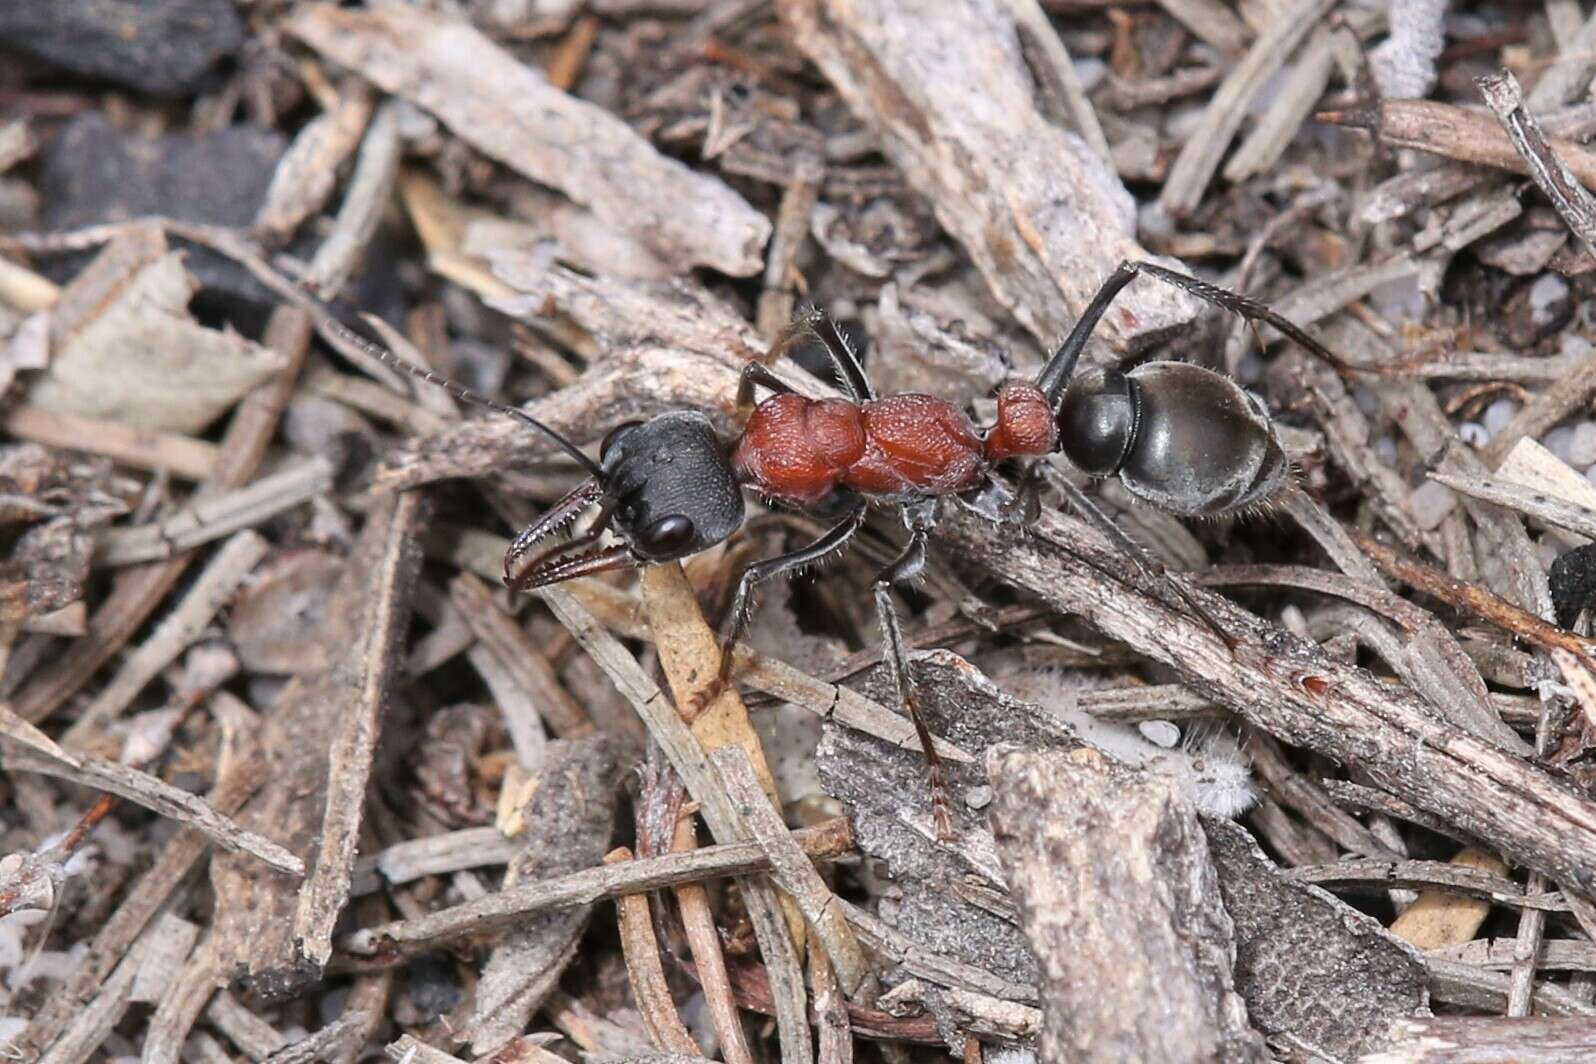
1180, 437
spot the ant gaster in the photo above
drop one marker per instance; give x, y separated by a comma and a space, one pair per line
1181, 437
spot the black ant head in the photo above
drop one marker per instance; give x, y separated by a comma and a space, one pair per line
663, 486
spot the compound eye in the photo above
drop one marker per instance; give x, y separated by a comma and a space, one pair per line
666, 537
614, 436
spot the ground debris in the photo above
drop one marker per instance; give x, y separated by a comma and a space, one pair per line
291, 774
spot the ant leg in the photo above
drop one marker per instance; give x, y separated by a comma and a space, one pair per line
736, 621
1083, 505
909, 565
755, 373
1056, 374
849, 369
1250, 309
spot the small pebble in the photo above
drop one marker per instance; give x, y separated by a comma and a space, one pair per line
1582, 448
1473, 434
1160, 733
1385, 449
1368, 400
1547, 297
1573, 345
1499, 414
1431, 503
1558, 441
978, 797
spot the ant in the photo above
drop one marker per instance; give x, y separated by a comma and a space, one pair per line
1186, 439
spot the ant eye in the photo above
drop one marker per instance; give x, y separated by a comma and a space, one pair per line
614, 435
665, 537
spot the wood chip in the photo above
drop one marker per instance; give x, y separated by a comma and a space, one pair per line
512, 113
947, 92
1112, 877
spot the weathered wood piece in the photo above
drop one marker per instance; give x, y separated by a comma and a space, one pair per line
947, 90
569, 822
1121, 904
1316, 974
1490, 1040
511, 112
320, 738
1298, 693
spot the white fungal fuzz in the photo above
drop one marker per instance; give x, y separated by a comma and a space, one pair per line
1203, 761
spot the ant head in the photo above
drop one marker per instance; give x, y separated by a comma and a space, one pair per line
664, 487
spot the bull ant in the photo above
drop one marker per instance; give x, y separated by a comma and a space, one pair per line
1180, 437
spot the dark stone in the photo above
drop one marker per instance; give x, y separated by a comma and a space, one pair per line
163, 47
96, 173
1573, 583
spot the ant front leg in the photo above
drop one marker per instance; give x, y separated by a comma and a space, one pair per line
731, 629
910, 564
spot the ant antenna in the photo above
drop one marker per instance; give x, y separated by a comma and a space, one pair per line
459, 391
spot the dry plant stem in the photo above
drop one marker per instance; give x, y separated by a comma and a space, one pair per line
210, 593
831, 1009
689, 654
257, 1038
1570, 199
1430, 659
433, 855
1476, 600
569, 818
238, 778
516, 651
698, 921
308, 171
1423, 875
779, 679
140, 448
778, 300
1451, 131
824, 842
1212, 22
319, 741
1296, 791
1549, 406
1525, 500
692, 763
410, 1050
509, 111
793, 872
1194, 167
367, 196
1112, 874
1043, 218
1305, 81
1452, 983
646, 973
167, 936
209, 519
1055, 73
141, 788
1294, 691
137, 592
1489, 1040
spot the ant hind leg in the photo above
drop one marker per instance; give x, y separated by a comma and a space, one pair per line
908, 565
1083, 505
